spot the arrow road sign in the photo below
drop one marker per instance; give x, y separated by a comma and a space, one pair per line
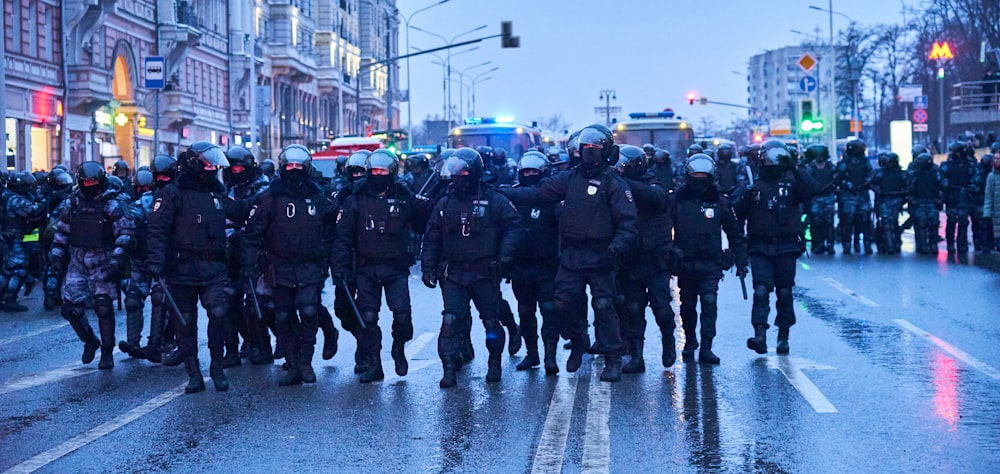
807, 84
791, 367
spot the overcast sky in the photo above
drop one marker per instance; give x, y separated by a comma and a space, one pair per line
651, 52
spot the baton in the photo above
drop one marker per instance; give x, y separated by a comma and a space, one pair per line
253, 296
354, 305
743, 286
170, 299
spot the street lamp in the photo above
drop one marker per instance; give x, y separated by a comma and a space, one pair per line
409, 92
448, 62
607, 95
475, 80
444, 74
461, 79
833, 83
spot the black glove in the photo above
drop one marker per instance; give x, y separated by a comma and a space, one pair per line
742, 271
117, 265
430, 281
608, 261
505, 265
248, 271
155, 270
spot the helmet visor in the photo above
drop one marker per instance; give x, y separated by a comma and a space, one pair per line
774, 156
214, 157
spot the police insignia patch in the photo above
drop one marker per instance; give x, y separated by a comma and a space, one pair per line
156, 205
628, 195
340, 214
710, 213
535, 213
591, 190
253, 210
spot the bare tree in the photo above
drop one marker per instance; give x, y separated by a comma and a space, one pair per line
554, 123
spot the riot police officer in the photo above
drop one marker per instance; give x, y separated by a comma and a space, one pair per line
139, 280
961, 177
161, 334
824, 204
420, 169
187, 245
373, 229
121, 171
294, 222
853, 179
500, 169
598, 225
700, 214
924, 184
775, 240
730, 176
470, 241
889, 184
22, 214
662, 168
534, 269
61, 185
93, 234
645, 276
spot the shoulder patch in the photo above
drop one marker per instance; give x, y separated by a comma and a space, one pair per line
253, 210
340, 215
157, 203
628, 195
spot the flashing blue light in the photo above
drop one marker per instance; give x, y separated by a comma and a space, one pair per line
505, 120
473, 120
640, 115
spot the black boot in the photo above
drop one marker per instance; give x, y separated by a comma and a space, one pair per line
330, 338
173, 358
531, 357
636, 364
493, 370
107, 358
360, 361
690, 345
514, 341
218, 376
705, 354
232, 359
576, 354
132, 349
374, 372
551, 367
758, 343
12, 306
782, 341
450, 369
306, 352
51, 301
106, 323
612, 368
85, 333
195, 382
399, 357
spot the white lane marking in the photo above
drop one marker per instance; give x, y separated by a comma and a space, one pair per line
555, 432
67, 371
411, 349
954, 351
33, 333
81, 440
791, 367
849, 292
597, 437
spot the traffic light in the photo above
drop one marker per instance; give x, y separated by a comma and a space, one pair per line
691, 97
507, 38
807, 121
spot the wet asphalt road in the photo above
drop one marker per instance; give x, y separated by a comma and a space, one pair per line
893, 368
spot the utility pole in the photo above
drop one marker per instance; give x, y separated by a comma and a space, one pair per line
3, 90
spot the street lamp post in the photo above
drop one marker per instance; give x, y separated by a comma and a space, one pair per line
448, 61
607, 95
444, 75
476, 80
461, 79
409, 92
833, 77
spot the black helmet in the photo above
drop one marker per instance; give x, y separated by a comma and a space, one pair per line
743, 151
649, 150
438, 161
61, 181
573, 144
418, 163
661, 156
956, 149
60, 167
855, 148
532, 168
597, 146
486, 153
22, 182
817, 153
144, 181
120, 169
995, 148
499, 156
206, 161
918, 149
700, 163
242, 166
694, 149
890, 160
383, 167
268, 168
632, 161
295, 165
91, 178
116, 184
793, 151
724, 153
356, 165
40, 176
464, 168
164, 169
924, 160
774, 153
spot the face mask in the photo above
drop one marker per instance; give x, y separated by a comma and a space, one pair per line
380, 183
773, 171
592, 157
464, 184
532, 180
294, 178
700, 184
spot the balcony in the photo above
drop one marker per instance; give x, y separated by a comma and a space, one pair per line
89, 88
287, 60
328, 79
179, 110
975, 103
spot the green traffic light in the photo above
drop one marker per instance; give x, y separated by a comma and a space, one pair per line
811, 126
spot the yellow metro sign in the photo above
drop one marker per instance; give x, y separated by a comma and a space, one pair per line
941, 51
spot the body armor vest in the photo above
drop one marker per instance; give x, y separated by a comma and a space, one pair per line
200, 224
700, 235
541, 238
893, 181
90, 227
296, 230
727, 176
824, 176
857, 173
924, 184
772, 212
381, 226
468, 229
586, 212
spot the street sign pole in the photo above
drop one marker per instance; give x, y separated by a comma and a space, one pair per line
155, 79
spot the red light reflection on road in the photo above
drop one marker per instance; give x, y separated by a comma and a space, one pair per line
946, 389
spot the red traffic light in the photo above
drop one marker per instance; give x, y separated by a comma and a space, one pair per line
691, 97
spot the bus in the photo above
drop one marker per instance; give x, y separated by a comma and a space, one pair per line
326, 160
662, 129
500, 132
714, 142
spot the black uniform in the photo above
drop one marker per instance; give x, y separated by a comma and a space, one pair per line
962, 178
889, 184
854, 178
294, 225
823, 206
373, 231
924, 184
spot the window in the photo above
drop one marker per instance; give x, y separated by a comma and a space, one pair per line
32, 30
48, 34
16, 27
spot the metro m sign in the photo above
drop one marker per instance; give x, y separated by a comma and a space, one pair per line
941, 51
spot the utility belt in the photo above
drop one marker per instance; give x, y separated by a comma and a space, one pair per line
482, 265
596, 245
207, 255
402, 260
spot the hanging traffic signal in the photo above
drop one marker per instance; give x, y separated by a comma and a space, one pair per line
691, 97
507, 38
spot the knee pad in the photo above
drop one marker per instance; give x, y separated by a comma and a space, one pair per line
547, 307
711, 298
491, 326
403, 318
761, 291
282, 317
310, 313
783, 293
448, 325
134, 301
370, 318
103, 308
216, 312
72, 312
634, 308
603, 304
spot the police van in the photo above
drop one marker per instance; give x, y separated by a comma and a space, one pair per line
499, 132
662, 129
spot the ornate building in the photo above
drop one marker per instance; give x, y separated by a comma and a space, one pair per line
260, 73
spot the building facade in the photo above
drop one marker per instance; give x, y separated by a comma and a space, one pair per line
259, 73
773, 79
